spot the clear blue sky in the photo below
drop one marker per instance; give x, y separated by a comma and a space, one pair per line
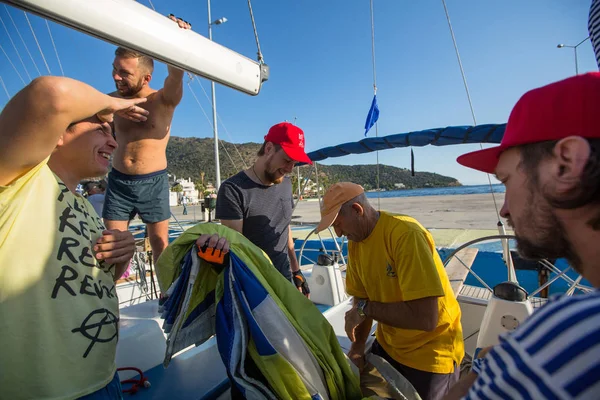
320, 58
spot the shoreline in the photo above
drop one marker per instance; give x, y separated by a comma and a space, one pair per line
457, 211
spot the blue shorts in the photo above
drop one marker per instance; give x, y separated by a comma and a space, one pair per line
112, 391
145, 195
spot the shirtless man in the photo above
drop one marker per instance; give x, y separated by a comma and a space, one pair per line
138, 182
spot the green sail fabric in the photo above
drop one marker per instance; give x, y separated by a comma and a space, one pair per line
316, 332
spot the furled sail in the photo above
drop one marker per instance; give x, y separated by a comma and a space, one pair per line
132, 25
490, 133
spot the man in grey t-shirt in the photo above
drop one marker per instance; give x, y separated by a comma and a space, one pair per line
257, 202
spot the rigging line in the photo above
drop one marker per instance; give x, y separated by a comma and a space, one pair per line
152, 5
55, 50
464, 78
373, 50
15, 47
375, 93
228, 155
38, 43
13, 65
462, 71
378, 191
210, 123
23, 41
4, 86
224, 127
259, 53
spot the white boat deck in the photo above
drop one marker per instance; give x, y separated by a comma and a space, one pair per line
458, 268
477, 294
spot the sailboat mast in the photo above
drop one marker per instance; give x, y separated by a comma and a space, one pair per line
214, 113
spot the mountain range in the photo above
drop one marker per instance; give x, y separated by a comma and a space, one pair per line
194, 158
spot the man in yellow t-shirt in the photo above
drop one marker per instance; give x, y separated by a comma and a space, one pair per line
59, 310
397, 279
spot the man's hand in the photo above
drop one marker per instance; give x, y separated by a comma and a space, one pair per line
483, 352
115, 247
357, 356
301, 284
213, 241
182, 24
353, 320
125, 108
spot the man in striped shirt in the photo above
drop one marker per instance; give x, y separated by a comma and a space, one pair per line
594, 28
549, 161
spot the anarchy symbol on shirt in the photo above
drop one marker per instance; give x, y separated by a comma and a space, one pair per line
99, 327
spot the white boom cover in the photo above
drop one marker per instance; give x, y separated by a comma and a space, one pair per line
132, 25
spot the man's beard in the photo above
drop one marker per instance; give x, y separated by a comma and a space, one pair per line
127, 91
272, 177
546, 236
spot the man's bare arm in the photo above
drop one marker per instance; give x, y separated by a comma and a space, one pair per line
172, 92
462, 387
34, 120
361, 334
291, 252
235, 224
120, 270
421, 314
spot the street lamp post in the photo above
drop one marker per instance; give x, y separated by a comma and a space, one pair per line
214, 103
560, 46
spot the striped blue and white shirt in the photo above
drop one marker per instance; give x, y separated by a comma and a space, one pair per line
594, 28
555, 354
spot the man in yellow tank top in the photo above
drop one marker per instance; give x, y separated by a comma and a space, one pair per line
59, 310
397, 279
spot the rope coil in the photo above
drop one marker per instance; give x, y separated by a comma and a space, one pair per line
137, 384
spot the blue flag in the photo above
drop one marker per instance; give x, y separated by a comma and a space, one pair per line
373, 115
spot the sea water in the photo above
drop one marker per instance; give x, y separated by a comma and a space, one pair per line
440, 191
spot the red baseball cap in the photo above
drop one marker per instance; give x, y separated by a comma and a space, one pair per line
291, 140
570, 107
